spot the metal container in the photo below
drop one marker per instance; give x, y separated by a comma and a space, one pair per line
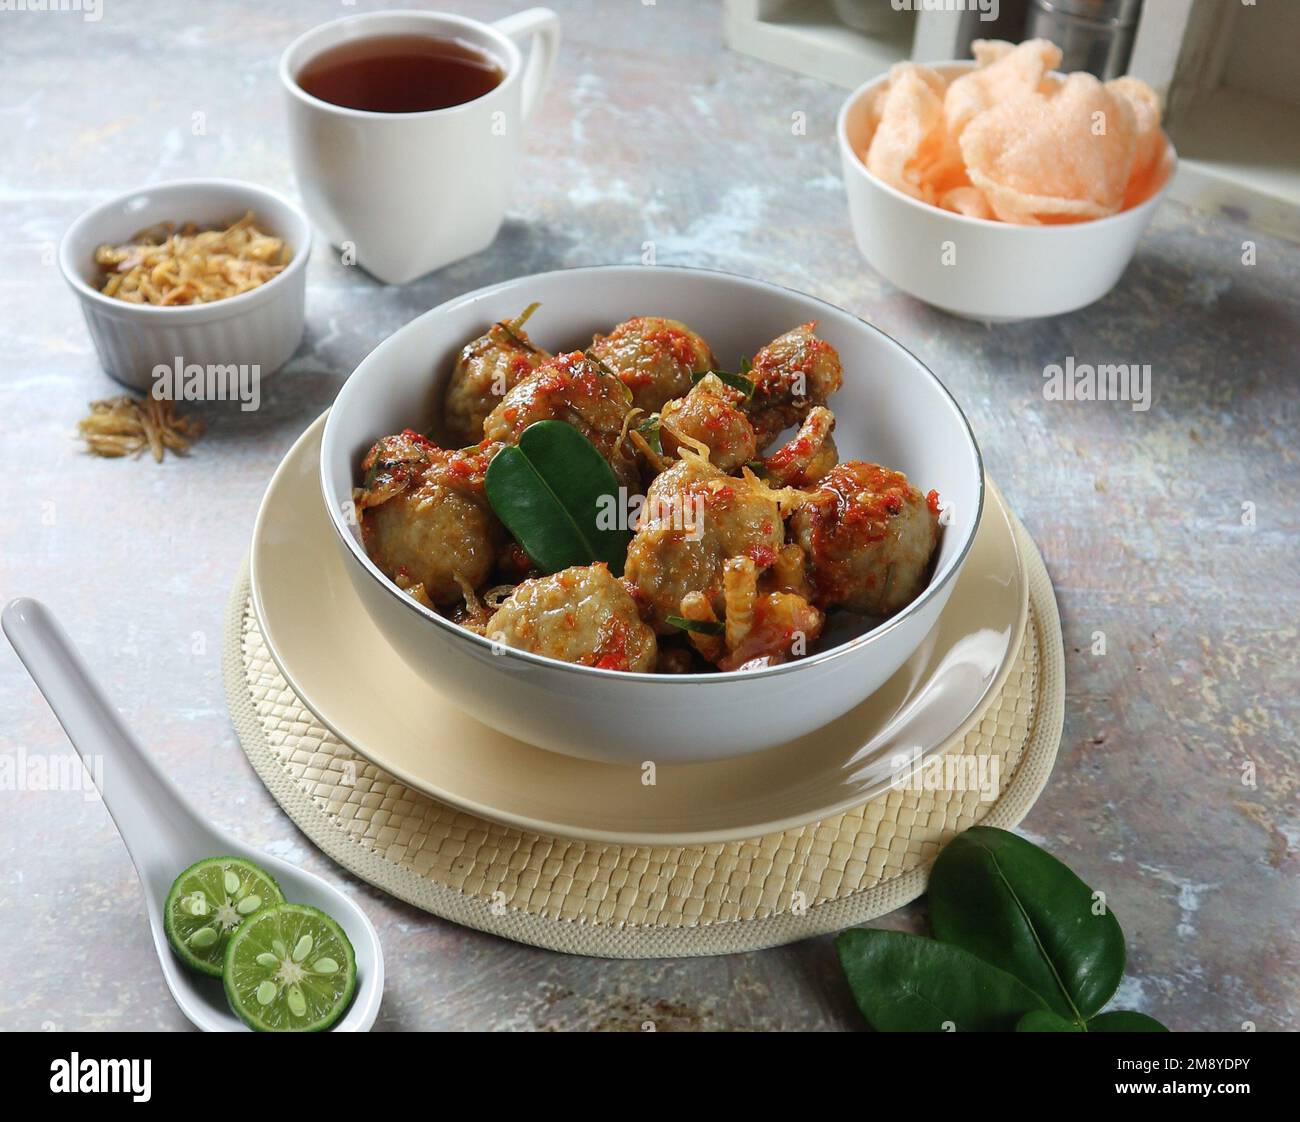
1094, 35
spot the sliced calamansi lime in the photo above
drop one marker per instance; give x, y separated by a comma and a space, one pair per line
290, 969
208, 902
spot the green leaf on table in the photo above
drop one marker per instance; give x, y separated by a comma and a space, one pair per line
1044, 1020
550, 490
1020, 909
904, 983
1122, 1020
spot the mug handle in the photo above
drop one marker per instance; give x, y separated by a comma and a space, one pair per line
543, 26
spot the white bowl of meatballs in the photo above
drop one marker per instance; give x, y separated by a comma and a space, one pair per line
789, 494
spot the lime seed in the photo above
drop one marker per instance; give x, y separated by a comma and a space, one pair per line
248, 905
266, 993
297, 1003
302, 948
231, 881
325, 966
203, 937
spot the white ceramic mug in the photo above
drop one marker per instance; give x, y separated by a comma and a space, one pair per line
406, 193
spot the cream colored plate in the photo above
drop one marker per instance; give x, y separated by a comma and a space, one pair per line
336, 661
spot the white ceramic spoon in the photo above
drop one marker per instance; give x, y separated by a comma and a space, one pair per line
163, 833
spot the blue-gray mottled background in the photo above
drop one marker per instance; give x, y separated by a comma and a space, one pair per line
653, 131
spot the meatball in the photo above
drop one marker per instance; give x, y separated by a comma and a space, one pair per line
486, 370
574, 389
391, 465
581, 615
710, 413
806, 456
435, 534
792, 374
868, 535
694, 519
655, 358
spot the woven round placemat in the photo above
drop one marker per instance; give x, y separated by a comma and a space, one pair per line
641, 901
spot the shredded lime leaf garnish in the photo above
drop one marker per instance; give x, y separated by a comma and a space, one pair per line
737, 382
699, 626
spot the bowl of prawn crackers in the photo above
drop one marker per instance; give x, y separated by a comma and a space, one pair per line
634, 513
1000, 189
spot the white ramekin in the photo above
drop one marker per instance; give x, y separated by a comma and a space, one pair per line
260, 328
973, 267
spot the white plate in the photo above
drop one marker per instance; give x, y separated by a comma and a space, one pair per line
335, 659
